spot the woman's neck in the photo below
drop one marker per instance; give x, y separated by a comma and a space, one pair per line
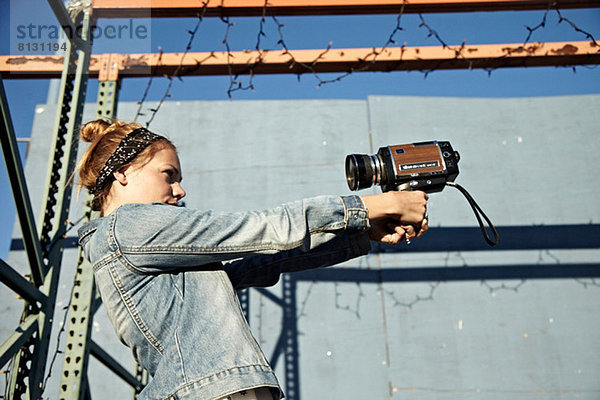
111, 205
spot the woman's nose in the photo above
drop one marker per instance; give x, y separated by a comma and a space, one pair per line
178, 191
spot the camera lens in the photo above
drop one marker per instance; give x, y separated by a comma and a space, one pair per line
362, 171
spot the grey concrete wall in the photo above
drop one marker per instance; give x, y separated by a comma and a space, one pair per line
390, 325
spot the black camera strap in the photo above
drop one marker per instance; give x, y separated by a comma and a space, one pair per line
478, 214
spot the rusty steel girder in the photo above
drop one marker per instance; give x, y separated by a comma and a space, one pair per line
108, 66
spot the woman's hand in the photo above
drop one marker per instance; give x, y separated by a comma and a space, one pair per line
397, 216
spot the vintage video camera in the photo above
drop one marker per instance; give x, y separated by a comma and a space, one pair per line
425, 166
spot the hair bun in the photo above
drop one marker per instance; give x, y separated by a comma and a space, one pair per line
93, 130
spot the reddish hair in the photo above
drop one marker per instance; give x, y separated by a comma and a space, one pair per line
104, 138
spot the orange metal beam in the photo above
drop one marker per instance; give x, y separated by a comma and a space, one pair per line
317, 61
215, 8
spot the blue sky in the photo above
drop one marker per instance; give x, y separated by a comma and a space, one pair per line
317, 33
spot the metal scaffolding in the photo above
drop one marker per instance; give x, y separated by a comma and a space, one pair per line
30, 348
28, 345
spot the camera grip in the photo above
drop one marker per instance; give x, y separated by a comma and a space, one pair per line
404, 187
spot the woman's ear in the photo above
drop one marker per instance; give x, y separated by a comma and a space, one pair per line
120, 175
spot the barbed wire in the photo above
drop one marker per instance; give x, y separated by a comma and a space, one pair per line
179, 69
561, 19
234, 83
587, 34
176, 74
147, 90
542, 25
364, 63
459, 50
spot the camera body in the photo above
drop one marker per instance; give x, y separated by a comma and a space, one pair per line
425, 166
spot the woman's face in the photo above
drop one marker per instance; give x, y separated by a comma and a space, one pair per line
159, 180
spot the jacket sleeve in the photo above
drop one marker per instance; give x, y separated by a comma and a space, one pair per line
265, 270
156, 237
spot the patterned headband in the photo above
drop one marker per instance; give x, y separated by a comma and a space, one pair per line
129, 148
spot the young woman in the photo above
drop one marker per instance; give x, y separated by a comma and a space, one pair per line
168, 275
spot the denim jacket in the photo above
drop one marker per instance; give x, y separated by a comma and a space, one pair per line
168, 278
